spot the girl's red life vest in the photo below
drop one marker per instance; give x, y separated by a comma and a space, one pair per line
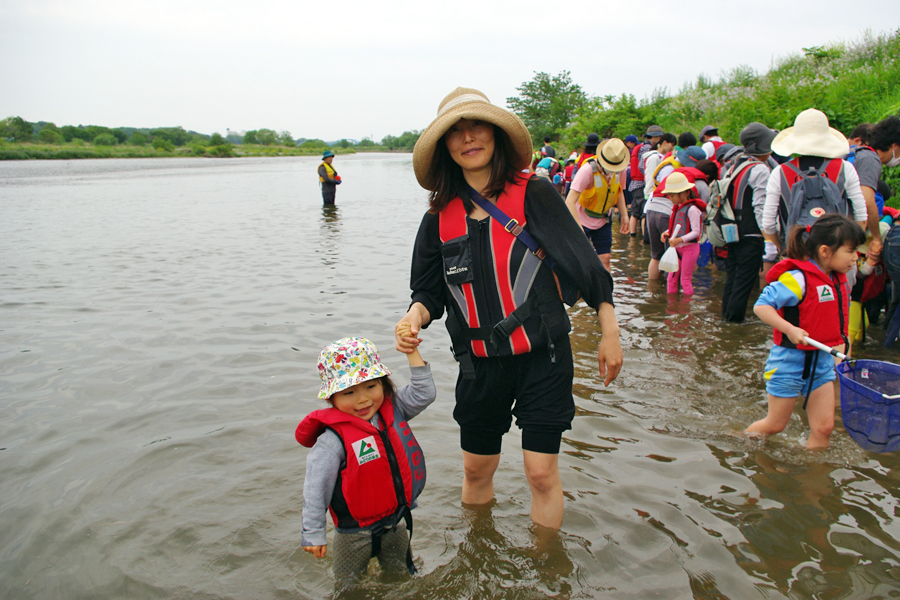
505, 275
691, 173
824, 309
679, 216
636, 174
384, 470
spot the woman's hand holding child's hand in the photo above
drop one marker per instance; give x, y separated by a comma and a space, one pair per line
317, 551
407, 330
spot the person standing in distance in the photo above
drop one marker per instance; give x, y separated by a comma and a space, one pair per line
328, 177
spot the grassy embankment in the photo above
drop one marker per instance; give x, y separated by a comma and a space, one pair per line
851, 82
70, 150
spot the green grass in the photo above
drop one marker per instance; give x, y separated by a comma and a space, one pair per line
851, 82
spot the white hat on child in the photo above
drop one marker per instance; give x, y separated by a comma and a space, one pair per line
347, 362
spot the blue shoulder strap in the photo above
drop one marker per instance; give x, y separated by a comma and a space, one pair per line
512, 226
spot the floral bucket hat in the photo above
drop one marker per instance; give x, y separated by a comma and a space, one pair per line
347, 362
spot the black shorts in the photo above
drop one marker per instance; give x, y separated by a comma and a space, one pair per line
601, 239
531, 387
637, 207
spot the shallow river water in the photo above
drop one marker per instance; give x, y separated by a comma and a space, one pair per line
159, 326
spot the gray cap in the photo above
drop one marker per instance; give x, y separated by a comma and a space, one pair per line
757, 139
709, 130
654, 131
722, 151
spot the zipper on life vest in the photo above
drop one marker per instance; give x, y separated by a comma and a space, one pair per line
840, 299
395, 466
487, 270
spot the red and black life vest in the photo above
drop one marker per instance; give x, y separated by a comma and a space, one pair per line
384, 470
636, 173
742, 191
679, 216
824, 309
505, 301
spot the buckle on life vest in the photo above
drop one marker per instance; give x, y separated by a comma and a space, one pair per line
513, 227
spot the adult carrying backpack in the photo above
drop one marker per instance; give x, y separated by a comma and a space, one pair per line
808, 194
726, 204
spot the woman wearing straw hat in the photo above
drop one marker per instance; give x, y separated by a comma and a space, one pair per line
818, 146
596, 190
496, 275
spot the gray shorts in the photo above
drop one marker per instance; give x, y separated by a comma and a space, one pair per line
657, 222
353, 550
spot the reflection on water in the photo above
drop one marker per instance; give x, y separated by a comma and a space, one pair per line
330, 242
160, 322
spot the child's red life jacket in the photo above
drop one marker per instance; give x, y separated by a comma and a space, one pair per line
824, 309
679, 216
874, 283
384, 470
636, 174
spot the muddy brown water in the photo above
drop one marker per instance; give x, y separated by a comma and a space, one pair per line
160, 321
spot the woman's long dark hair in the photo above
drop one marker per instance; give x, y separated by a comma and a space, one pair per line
449, 179
833, 231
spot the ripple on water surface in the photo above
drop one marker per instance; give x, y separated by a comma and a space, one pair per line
161, 321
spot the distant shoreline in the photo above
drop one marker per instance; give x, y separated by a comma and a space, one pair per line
32, 151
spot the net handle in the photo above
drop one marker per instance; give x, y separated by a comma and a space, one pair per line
811, 342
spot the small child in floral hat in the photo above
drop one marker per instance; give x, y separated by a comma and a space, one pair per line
365, 466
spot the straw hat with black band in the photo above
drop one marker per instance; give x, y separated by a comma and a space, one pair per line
613, 155
811, 136
468, 103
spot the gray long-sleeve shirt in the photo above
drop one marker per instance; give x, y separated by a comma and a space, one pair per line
323, 463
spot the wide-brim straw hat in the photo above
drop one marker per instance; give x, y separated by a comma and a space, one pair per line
811, 136
468, 103
675, 183
613, 155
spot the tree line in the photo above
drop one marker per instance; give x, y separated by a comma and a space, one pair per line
851, 82
18, 130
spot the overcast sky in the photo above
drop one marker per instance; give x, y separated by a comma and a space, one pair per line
354, 69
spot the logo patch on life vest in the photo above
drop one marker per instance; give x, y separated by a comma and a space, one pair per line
365, 450
825, 293
817, 212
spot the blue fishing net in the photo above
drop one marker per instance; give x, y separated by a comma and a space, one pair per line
871, 416
706, 249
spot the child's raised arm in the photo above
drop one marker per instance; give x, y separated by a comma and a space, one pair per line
404, 329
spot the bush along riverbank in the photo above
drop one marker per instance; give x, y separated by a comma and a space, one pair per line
851, 82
